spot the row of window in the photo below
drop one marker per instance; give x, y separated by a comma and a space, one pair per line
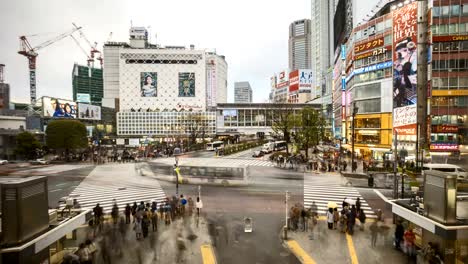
450, 29
450, 46
370, 76
450, 11
373, 59
373, 30
449, 120
439, 83
453, 101
452, 65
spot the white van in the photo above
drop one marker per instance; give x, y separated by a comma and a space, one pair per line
448, 168
268, 147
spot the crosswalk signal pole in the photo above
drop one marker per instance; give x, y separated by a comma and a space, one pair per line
285, 230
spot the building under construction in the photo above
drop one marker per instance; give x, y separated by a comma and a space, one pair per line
87, 81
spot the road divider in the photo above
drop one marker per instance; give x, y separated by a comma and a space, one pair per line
208, 254
299, 252
351, 249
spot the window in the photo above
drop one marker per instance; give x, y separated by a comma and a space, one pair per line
455, 10
445, 10
465, 10
436, 11
388, 39
453, 28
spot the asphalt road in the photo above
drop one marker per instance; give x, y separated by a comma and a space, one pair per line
263, 201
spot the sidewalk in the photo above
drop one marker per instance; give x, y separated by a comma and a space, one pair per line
183, 241
333, 246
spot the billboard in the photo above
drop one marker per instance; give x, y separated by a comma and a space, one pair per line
305, 78
149, 84
186, 84
282, 80
405, 55
378, 42
294, 81
405, 115
89, 112
58, 108
83, 98
273, 82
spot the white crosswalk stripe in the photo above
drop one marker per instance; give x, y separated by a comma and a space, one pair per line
88, 195
321, 191
219, 162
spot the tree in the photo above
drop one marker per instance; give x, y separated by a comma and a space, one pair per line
195, 125
284, 121
312, 129
66, 135
27, 145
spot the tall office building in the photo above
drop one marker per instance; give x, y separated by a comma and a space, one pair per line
299, 44
242, 92
87, 83
4, 90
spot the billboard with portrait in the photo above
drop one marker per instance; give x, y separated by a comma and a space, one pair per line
186, 84
149, 84
58, 108
89, 112
405, 55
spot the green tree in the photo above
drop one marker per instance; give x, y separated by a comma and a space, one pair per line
284, 121
27, 145
312, 126
66, 135
195, 126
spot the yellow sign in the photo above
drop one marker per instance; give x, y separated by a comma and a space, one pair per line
449, 92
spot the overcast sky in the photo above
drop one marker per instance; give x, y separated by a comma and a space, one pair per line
252, 34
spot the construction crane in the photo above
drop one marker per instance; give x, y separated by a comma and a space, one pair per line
31, 53
89, 60
92, 46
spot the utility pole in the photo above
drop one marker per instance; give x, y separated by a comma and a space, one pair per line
422, 83
395, 167
285, 228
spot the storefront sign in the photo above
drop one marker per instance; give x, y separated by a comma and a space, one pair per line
444, 129
449, 38
443, 147
450, 92
294, 81
369, 45
374, 67
371, 53
405, 115
407, 130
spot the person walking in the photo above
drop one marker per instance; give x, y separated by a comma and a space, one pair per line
128, 211
374, 228
399, 232
98, 215
145, 225
336, 217
362, 218
115, 213
138, 228
199, 205
134, 209
154, 219
190, 206
351, 219
183, 202
314, 209
330, 218
92, 250
410, 237
83, 254
312, 224
358, 205
304, 219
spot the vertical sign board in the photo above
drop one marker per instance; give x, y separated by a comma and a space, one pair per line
294, 81
404, 58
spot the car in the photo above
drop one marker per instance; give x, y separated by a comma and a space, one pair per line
3, 162
257, 153
450, 169
40, 162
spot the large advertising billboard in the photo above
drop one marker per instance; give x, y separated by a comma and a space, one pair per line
89, 112
405, 55
404, 120
305, 78
282, 80
149, 84
294, 81
58, 108
186, 84
83, 98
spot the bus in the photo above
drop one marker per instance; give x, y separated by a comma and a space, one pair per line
280, 145
214, 145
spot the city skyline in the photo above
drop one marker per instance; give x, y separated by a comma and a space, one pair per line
55, 63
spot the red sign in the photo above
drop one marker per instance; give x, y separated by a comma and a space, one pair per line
443, 147
406, 130
405, 25
294, 81
444, 129
449, 38
369, 45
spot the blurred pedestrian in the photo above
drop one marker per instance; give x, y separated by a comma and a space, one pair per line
145, 225
336, 217
358, 205
374, 228
399, 232
138, 228
304, 219
330, 218
115, 213
410, 237
190, 206
92, 249
351, 219
128, 211
183, 202
134, 210
98, 215
312, 224
362, 218
199, 205
314, 209
83, 254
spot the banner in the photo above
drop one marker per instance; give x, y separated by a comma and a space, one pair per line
406, 130
149, 84
58, 108
186, 84
89, 112
403, 116
305, 78
294, 81
405, 55
443, 147
83, 98
444, 129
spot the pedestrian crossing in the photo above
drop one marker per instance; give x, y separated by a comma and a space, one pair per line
88, 195
218, 162
325, 189
121, 182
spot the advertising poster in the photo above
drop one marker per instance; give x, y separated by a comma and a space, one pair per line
89, 112
405, 55
149, 84
404, 120
83, 98
282, 80
294, 81
305, 79
186, 84
58, 108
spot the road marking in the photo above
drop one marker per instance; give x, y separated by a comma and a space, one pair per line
208, 254
56, 190
299, 252
352, 251
60, 184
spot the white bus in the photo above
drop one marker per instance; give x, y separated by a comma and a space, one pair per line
280, 145
215, 145
274, 146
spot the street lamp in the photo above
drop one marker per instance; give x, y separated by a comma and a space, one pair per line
353, 136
